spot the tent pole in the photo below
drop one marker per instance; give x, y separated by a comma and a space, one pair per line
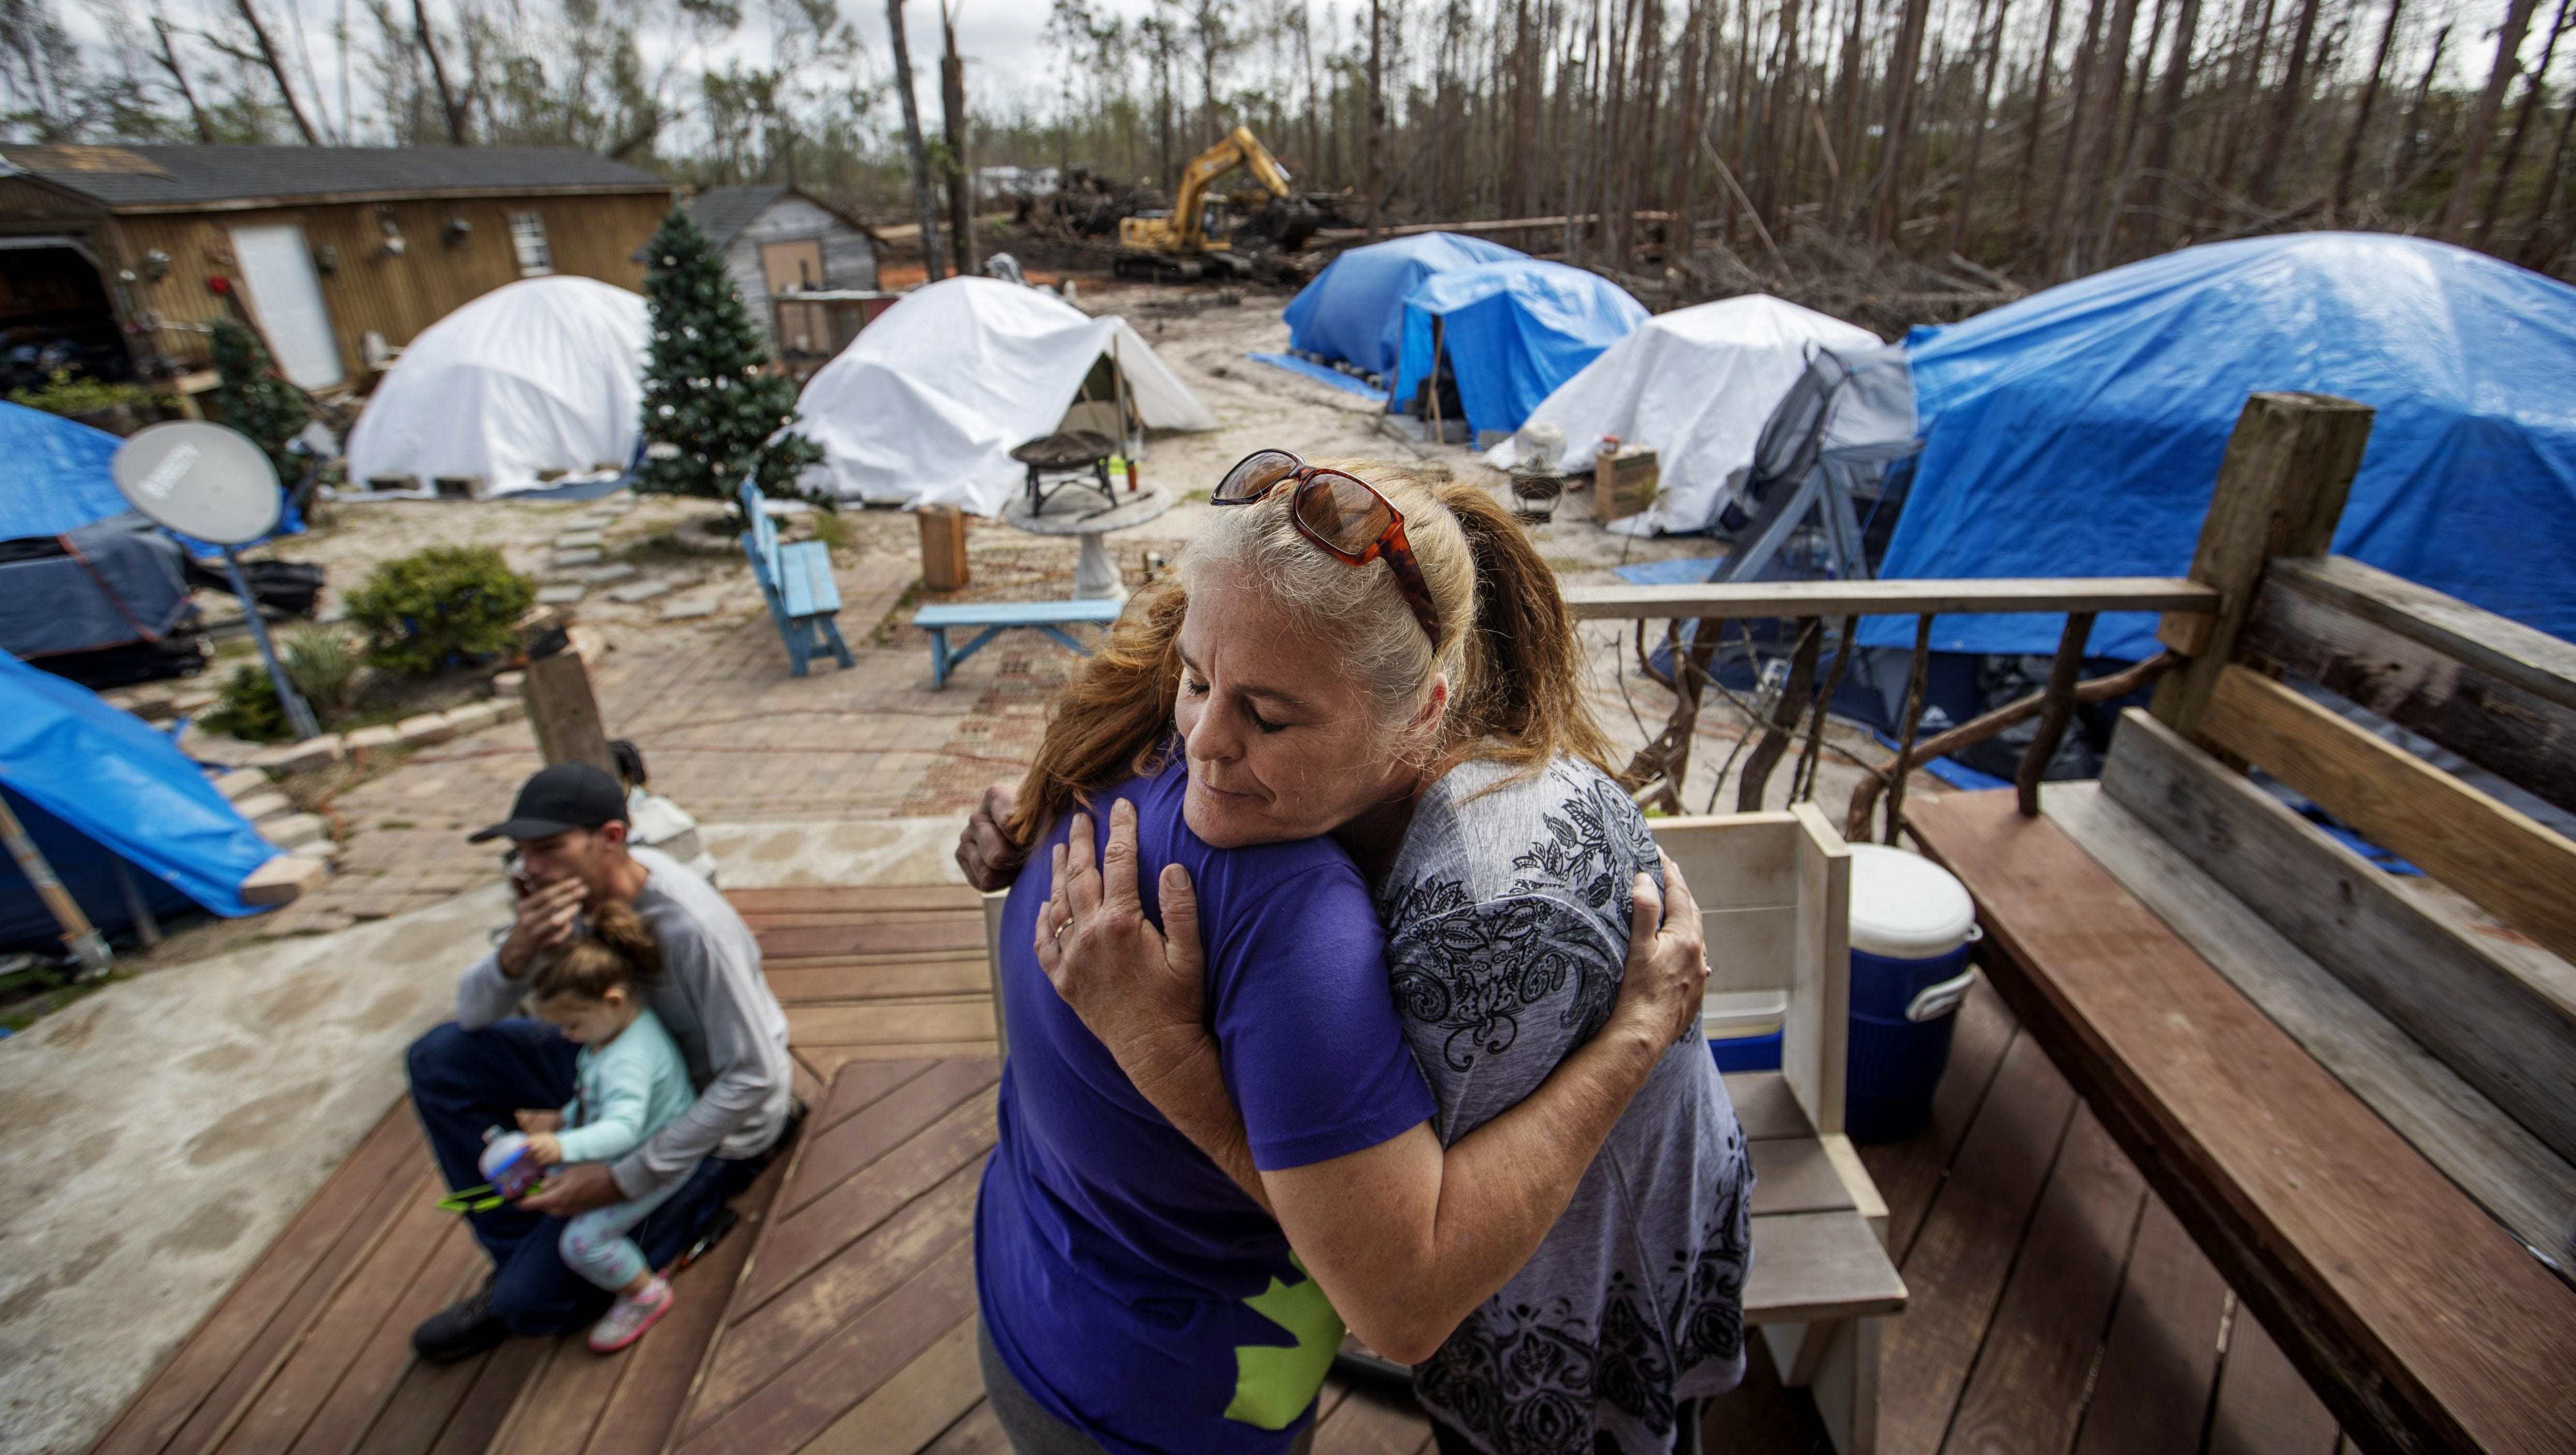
87, 945
146, 928
1439, 431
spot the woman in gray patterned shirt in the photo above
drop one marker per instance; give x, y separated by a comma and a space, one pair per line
1501, 854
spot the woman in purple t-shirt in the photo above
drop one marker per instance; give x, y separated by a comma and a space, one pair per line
1426, 717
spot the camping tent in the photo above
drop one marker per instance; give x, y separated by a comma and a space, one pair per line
927, 402
1696, 384
1354, 310
1513, 331
2078, 432
80, 572
98, 787
58, 474
546, 374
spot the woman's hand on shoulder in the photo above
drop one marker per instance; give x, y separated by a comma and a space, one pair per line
1667, 973
1140, 990
990, 857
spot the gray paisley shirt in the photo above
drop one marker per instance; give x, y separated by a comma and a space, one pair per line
1507, 914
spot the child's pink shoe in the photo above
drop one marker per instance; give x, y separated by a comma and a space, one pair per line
628, 1318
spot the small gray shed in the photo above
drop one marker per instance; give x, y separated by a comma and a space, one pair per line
776, 240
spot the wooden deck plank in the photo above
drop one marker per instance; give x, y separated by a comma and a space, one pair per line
910, 1410
422, 1405
795, 983
376, 1369
792, 1245
2161, 1359
782, 1330
853, 898
1765, 1106
560, 1406
494, 1393
901, 937
2318, 1213
800, 1397
342, 1329
661, 1365
2027, 1390
977, 1432
856, 1090
828, 1058
830, 1157
257, 1360
1909, 1172
906, 1022
2264, 1407
192, 1375
1957, 1266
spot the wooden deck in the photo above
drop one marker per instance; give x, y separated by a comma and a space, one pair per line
2055, 1307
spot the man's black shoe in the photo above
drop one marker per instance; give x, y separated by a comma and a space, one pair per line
461, 1330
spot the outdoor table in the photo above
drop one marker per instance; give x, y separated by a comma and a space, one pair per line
1086, 515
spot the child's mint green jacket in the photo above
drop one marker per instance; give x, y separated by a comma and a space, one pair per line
624, 1092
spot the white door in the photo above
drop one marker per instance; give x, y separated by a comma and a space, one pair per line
286, 298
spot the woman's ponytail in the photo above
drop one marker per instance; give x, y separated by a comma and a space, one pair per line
1523, 697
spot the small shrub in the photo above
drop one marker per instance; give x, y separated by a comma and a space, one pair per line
323, 664
444, 605
248, 708
65, 395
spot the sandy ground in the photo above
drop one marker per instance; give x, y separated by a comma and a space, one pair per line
163, 1130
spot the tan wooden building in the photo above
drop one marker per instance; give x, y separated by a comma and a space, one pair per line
337, 254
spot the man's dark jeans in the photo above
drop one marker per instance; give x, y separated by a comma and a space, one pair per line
463, 1082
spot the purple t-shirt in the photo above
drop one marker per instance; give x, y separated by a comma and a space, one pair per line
1131, 1287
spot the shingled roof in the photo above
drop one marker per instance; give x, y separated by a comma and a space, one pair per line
152, 178
723, 212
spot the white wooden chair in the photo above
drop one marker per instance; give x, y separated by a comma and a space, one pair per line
1776, 890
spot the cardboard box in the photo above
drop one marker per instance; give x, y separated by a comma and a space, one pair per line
1625, 483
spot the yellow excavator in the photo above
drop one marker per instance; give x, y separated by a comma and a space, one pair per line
1184, 242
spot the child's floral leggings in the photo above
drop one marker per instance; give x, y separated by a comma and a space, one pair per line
595, 1244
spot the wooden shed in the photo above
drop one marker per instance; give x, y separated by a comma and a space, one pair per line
777, 241
338, 254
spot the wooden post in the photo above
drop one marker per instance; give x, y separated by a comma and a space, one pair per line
2280, 491
1917, 683
943, 547
563, 713
79, 936
2057, 705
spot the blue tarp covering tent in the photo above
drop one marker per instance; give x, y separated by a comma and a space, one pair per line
106, 784
59, 479
58, 474
1354, 310
2078, 432
1513, 331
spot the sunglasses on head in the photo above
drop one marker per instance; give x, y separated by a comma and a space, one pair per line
1340, 512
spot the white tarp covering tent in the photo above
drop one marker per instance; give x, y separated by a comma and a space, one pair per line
1696, 384
926, 404
546, 374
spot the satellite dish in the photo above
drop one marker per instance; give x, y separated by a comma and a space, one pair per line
200, 480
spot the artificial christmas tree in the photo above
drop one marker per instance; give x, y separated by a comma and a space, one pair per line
713, 411
251, 398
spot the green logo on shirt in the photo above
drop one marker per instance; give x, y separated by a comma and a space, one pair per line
1273, 1384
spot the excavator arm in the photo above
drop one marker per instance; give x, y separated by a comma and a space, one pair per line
1239, 149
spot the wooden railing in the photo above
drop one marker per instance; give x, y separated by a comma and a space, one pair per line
1655, 773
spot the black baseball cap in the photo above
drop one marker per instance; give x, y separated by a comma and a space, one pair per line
558, 800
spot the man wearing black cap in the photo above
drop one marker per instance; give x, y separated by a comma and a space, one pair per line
477, 1071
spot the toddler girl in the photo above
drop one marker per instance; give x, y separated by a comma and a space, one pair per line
629, 1083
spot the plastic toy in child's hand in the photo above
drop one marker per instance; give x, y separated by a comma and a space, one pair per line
505, 1160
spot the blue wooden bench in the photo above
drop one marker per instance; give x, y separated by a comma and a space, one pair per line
996, 617
796, 581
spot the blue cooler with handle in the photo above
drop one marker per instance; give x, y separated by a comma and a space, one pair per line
1911, 925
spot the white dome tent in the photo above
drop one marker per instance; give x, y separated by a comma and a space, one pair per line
1697, 384
926, 404
544, 375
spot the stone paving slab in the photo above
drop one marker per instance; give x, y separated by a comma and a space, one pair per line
561, 595
584, 556
690, 608
635, 591
613, 571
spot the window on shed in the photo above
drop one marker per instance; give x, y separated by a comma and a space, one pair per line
528, 236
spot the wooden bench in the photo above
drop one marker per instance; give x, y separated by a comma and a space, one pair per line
2352, 1088
996, 617
796, 581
